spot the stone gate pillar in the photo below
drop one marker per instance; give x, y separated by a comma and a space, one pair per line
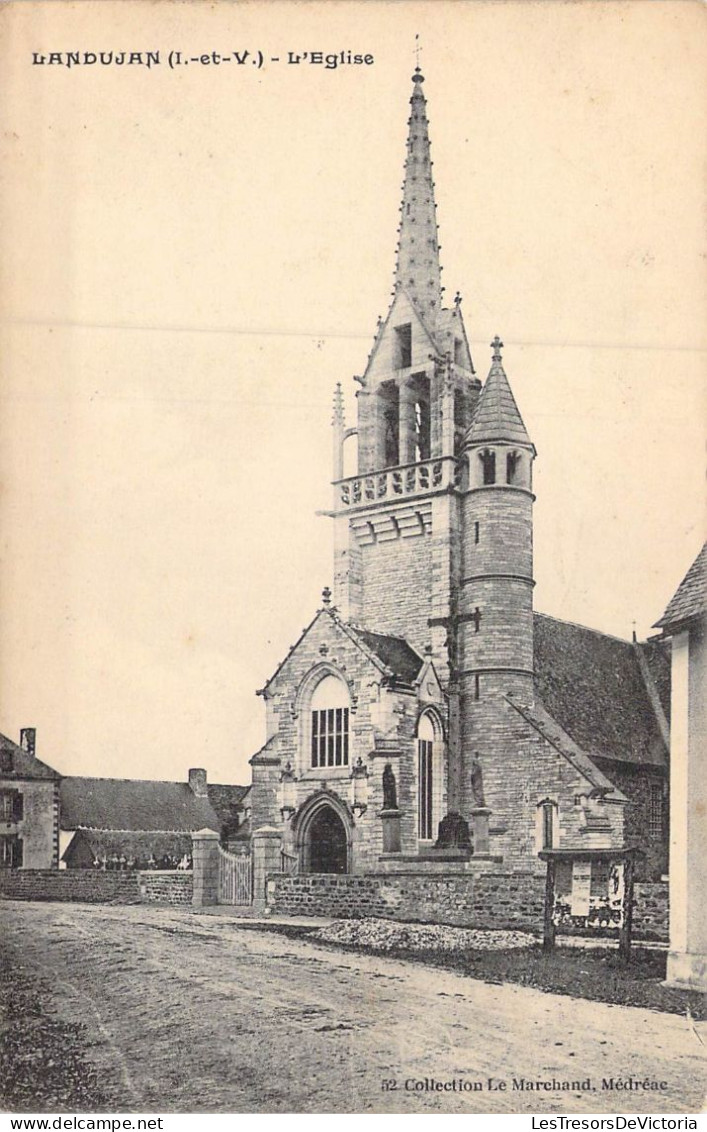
267, 845
205, 851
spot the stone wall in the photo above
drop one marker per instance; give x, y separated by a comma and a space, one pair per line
489, 900
87, 886
636, 783
650, 910
166, 887
486, 900
93, 886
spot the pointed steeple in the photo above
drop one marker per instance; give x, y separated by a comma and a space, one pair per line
417, 268
497, 417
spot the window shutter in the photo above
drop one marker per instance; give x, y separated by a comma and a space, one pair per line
17, 853
18, 807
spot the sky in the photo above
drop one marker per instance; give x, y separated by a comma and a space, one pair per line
193, 257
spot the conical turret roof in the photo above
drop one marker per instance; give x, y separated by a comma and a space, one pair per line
497, 417
417, 268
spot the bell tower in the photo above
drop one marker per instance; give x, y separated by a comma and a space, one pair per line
397, 520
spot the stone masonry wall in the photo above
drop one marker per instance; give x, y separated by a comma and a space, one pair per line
166, 887
92, 886
401, 610
650, 910
86, 886
636, 783
487, 900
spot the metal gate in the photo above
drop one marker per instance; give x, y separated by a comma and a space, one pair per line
235, 878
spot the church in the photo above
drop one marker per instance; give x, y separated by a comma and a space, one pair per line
428, 718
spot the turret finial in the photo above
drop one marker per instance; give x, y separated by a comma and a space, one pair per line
326, 596
418, 77
496, 346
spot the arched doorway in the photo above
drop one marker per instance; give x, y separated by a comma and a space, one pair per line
326, 843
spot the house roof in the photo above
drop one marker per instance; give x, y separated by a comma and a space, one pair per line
20, 764
497, 417
139, 845
131, 804
593, 686
690, 599
394, 652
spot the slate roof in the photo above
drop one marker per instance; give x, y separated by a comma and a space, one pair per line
394, 652
592, 685
131, 804
549, 728
139, 845
15, 762
497, 416
690, 599
656, 653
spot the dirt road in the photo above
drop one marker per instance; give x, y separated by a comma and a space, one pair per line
189, 1013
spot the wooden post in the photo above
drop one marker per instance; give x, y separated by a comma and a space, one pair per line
627, 918
549, 922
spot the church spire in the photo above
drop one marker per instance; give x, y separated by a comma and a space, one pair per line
417, 269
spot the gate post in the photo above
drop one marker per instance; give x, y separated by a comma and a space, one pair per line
267, 843
205, 849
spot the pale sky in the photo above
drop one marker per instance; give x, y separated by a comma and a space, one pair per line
192, 258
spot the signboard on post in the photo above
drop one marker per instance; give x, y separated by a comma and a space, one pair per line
581, 887
589, 892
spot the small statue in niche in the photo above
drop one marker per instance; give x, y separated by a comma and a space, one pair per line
390, 801
477, 783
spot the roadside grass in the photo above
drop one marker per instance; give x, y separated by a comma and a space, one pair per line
593, 973
43, 1062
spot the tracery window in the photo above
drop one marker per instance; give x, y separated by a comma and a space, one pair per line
330, 723
427, 787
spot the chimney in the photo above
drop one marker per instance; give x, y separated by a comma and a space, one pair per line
197, 782
28, 740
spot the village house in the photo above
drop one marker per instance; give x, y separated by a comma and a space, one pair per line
48, 820
29, 806
121, 822
427, 717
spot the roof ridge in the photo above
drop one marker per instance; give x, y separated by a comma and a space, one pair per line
142, 781
587, 628
116, 829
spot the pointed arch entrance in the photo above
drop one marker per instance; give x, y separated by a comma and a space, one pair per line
323, 831
327, 848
